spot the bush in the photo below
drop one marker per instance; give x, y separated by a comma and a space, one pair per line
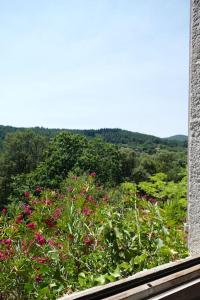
55, 243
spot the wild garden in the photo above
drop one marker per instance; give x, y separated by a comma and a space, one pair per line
77, 211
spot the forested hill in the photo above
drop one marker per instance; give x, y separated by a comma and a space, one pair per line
125, 138
179, 137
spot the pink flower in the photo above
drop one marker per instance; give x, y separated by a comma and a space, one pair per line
74, 177
70, 189
40, 239
31, 225
86, 211
26, 194
93, 174
19, 218
27, 210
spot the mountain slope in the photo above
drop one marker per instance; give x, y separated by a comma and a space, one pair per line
125, 138
178, 137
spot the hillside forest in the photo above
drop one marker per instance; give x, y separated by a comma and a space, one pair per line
86, 207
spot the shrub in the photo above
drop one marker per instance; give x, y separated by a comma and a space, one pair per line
59, 242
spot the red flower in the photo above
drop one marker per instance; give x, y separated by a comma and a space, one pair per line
19, 218
40, 260
6, 242
40, 239
24, 246
4, 211
153, 200
57, 213
27, 210
31, 225
26, 194
86, 211
38, 190
2, 255
89, 198
50, 222
38, 278
47, 202
87, 241
51, 242
93, 174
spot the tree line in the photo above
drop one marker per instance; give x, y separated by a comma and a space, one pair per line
138, 141
30, 158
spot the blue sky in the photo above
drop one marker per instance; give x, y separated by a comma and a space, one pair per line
94, 64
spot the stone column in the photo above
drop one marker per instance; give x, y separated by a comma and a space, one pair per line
194, 132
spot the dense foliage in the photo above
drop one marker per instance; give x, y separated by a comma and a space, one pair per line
62, 232
28, 158
58, 242
22, 152
69, 152
137, 141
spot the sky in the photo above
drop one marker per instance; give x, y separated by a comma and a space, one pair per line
95, 64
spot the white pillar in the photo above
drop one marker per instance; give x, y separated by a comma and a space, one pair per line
194, 132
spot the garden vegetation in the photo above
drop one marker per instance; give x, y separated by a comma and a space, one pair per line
77, 211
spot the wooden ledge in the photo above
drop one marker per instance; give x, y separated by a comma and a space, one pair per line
144, 284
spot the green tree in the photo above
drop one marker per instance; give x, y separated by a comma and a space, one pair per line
145, 167
60, 158
129, 161
172, 163
22, 151
102, 158
69, 152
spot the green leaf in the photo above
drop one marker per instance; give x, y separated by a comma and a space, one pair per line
28, 287
101, 279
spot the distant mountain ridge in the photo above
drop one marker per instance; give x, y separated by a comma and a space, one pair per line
178, 137
138, 141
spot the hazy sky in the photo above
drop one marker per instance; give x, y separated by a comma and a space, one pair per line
94, 64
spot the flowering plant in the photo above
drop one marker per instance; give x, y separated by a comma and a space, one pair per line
54, 243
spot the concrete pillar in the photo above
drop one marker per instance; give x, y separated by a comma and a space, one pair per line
194, 132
